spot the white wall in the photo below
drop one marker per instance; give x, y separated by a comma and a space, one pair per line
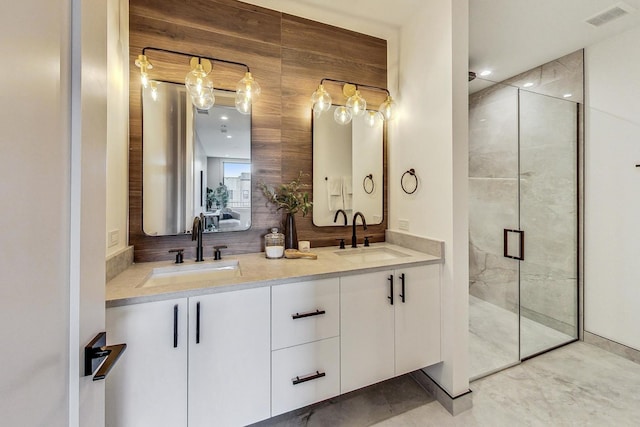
34, 184
431, 136
117, 122
53, 142
612, 196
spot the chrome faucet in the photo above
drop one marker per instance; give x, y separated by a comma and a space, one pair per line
196, 234
354, 240
344, 214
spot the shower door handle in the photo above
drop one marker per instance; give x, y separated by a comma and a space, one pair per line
507, 253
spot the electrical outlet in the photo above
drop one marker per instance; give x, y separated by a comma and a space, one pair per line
403, 224
113, 237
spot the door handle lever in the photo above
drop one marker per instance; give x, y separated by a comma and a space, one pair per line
100, 356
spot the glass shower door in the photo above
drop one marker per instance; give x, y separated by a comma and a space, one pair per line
493, 206
548, 215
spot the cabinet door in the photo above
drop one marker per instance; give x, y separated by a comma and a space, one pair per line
148, 385
366, 330
229, 358
417, 318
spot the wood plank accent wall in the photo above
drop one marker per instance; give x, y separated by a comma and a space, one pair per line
288, 56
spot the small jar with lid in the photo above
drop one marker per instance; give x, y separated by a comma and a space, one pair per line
274, 244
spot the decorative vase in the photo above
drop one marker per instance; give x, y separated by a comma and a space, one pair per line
290, 234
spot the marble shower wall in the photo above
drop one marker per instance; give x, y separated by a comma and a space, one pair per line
548, 186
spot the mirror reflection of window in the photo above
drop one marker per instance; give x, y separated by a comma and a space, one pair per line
237, 178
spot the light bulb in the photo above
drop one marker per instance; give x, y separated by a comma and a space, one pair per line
243, 104
204, 100
248, 88
197, 81
342, 115
357, 104
154, 91
372, 118
143, 63
387, 108
321, 100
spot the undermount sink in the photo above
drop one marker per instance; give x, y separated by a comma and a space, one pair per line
216, 272
360, 255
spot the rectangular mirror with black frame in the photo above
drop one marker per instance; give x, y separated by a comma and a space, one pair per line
194, 162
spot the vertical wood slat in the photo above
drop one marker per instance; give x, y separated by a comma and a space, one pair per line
288, 56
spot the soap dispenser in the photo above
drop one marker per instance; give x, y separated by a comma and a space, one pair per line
274, 244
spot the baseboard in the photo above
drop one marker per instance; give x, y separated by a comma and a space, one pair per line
455, 405
612, 346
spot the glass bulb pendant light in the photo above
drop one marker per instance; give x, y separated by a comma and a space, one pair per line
321, 100
205, 100
357, 104
372, 118
243, 103
342, 115
143, 63
387, 108
197, 80
248, 88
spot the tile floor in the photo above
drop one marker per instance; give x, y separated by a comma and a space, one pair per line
576, 385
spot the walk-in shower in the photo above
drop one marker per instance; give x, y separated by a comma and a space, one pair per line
523, 223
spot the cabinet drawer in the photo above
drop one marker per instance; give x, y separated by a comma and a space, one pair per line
304, 374
304, 312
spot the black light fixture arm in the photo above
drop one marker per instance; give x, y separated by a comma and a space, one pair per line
192, 55
357, 85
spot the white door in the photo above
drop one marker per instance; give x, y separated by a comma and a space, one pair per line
230, 358
148, 387
52, 184
366, 330
417, 318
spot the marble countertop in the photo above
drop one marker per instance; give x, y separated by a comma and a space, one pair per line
256, 271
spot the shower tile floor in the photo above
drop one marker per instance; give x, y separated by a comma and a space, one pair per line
493, 337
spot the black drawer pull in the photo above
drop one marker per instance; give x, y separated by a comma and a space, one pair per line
299, 380
311, 313
402, 294
175, 326
390, 297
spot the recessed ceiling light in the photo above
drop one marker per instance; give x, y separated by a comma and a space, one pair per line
229, 137
567, 95
485, 73
527, 84
224, 118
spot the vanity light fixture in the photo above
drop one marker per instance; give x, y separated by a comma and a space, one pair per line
199, 83
355, 105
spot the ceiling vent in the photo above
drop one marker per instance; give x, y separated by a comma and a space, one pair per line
613, 13
200, 111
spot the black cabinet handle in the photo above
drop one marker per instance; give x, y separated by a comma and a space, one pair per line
198, 322
390, 297
300, 380
175, 326
311, 313
402, 293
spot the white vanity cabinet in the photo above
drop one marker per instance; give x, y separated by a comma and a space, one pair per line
214, 371
305, 319
148, 386
383, 334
